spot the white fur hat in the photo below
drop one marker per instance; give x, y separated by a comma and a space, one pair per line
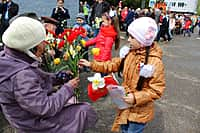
24, 33
144, 30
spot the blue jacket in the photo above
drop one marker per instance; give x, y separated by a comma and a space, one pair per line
87, 27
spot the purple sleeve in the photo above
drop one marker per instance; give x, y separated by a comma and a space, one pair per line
32, 97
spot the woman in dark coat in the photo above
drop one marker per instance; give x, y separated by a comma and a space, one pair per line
26, 96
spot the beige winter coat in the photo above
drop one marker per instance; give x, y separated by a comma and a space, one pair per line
143, 109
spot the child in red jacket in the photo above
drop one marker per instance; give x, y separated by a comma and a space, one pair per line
187, 26
107, 36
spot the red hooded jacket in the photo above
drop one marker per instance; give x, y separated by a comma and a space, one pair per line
104, 41
187, 25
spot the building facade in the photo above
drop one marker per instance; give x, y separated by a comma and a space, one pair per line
188, 6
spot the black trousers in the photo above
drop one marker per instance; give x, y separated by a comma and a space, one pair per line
3, 26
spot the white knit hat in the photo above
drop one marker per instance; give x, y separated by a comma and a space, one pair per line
23, 34
144, 30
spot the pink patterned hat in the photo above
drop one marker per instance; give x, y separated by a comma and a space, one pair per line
144, 30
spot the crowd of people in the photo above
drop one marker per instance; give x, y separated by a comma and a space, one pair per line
169, 23
27, 89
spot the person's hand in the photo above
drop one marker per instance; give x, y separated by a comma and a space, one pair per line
84, 62
68, 72
56, 11
62, 8
74, 82
130, 99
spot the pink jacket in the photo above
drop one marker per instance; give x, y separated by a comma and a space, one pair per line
104, 41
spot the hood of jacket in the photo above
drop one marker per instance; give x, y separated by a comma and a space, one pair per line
108, 31
11, 62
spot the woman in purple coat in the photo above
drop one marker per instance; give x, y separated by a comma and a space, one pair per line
25, 90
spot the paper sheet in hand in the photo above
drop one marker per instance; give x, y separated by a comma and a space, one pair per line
117, 92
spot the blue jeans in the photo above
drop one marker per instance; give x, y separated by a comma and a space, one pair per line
133, 127
186, 31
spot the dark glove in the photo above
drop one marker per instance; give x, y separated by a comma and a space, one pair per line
63, 77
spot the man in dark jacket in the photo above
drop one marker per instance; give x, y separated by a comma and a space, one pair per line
8, 9
61, 14
98, 8
26, 92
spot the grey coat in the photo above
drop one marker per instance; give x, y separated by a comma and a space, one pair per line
29, 106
